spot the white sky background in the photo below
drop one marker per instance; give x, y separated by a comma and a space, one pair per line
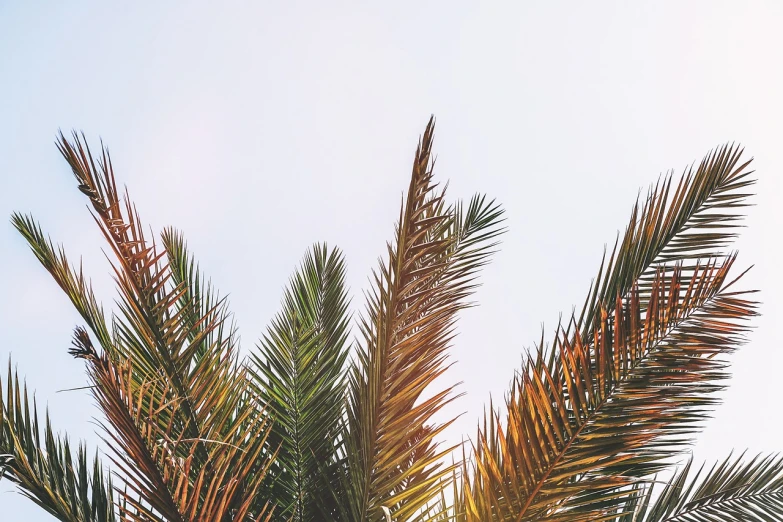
258, 128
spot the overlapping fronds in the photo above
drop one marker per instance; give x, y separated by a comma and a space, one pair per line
152, 328
610, 410
64, 484
165, 362
209, 339
696, 223
394, 459
610, 398
298, 433
731, 490
299, 373
159, 465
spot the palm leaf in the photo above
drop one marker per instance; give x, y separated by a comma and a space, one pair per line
732, 490
159, 464
152, 330
65, 485
607, 402
199, 298
609, 410
164, 350
394, 459
73, 282
300, 375
698, 221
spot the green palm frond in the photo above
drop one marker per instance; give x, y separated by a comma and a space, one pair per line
73, 282
66, 486
732, 490
299, 374
598, 408
394, 459
697, 222
199, 298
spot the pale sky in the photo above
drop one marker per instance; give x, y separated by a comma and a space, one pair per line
258, 128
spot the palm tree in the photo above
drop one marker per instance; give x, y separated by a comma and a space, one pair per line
314, 426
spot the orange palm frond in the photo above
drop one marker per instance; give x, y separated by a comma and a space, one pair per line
391, 444
557, 451
608, 410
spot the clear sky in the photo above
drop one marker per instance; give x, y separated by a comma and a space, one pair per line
258, 128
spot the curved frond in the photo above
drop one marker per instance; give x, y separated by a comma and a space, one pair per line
164, 349
72, 282
697, 221
732, 490
609, 410
66, 486
299, 374
394, 459
610, 400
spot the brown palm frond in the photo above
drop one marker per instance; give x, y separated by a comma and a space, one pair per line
161, 469
165, 336
609, 410
153, 332
393, 457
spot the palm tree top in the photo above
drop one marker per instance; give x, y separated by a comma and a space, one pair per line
322, 422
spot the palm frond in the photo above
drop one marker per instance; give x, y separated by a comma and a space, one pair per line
732, 490
199, 298
610, 410
66, 486
159, 464
151, 329
698, 222
299, 373
164, 349
394, 459
609, 399
72, 281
